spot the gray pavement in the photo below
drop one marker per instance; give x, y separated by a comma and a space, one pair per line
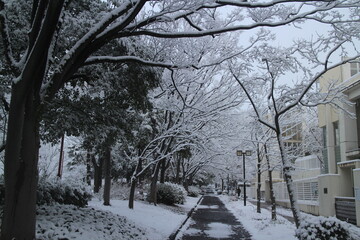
212, 220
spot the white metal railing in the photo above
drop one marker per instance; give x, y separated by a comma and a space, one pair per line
304, 190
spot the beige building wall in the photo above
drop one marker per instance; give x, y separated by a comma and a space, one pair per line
356, 173
329, 188
341, 180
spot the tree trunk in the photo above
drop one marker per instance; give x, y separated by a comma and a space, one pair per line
272, 197
97, 174
133, 184
132, 192
186, 184
258, 203
107, 184
162, 171
22, 144
272, 194
21, 168
288, 180
88, 168
177, 176
153, 185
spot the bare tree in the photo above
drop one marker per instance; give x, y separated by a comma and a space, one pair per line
281, 100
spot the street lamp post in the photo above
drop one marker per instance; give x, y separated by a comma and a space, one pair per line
243, 154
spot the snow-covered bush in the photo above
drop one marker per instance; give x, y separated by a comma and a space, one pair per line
171, 193
193, 191
322, 228
63, 192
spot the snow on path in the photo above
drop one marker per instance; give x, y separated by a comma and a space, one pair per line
158, 221
260, 225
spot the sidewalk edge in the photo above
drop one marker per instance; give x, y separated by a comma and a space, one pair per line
174, 234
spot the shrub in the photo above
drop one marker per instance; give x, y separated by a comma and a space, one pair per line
322, 229
63, 192
193, 191
170, 193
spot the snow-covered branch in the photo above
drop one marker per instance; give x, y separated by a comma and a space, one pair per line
252, 101
120, 59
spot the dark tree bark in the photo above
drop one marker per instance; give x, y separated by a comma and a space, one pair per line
272, 194
132, 192
21, 172
153, 185
107, 184
97, 174
22, 143
258, 203
177, 175
88, 168
163, 170
133, 182
288, 180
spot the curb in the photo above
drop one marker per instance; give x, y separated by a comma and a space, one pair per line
173, 235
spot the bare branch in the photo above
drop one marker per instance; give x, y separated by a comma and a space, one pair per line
251, 101
312, 82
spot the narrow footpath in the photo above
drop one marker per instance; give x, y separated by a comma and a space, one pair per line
212, 220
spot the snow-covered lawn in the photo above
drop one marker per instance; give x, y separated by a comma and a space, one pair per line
113, 222
159, 221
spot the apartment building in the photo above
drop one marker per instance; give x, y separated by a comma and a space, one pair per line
330, 186
339, 183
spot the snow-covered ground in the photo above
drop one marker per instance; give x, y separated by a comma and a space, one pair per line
261, 227
115, 222
159, 221
151, 222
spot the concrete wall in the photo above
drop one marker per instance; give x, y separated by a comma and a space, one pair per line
356, 173
346, 182
348, 131
329, 187
305, 207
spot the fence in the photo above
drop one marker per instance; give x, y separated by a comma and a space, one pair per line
305, 190
345, 209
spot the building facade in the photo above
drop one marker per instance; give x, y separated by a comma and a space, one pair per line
338, 184
330, 186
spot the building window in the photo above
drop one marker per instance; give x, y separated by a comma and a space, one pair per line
337, 142
354, 68
358, 120
325, 164
336, 134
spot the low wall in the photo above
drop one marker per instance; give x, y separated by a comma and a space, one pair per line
312, 208
329, 187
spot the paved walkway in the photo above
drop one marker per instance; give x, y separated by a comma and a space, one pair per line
212, 220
